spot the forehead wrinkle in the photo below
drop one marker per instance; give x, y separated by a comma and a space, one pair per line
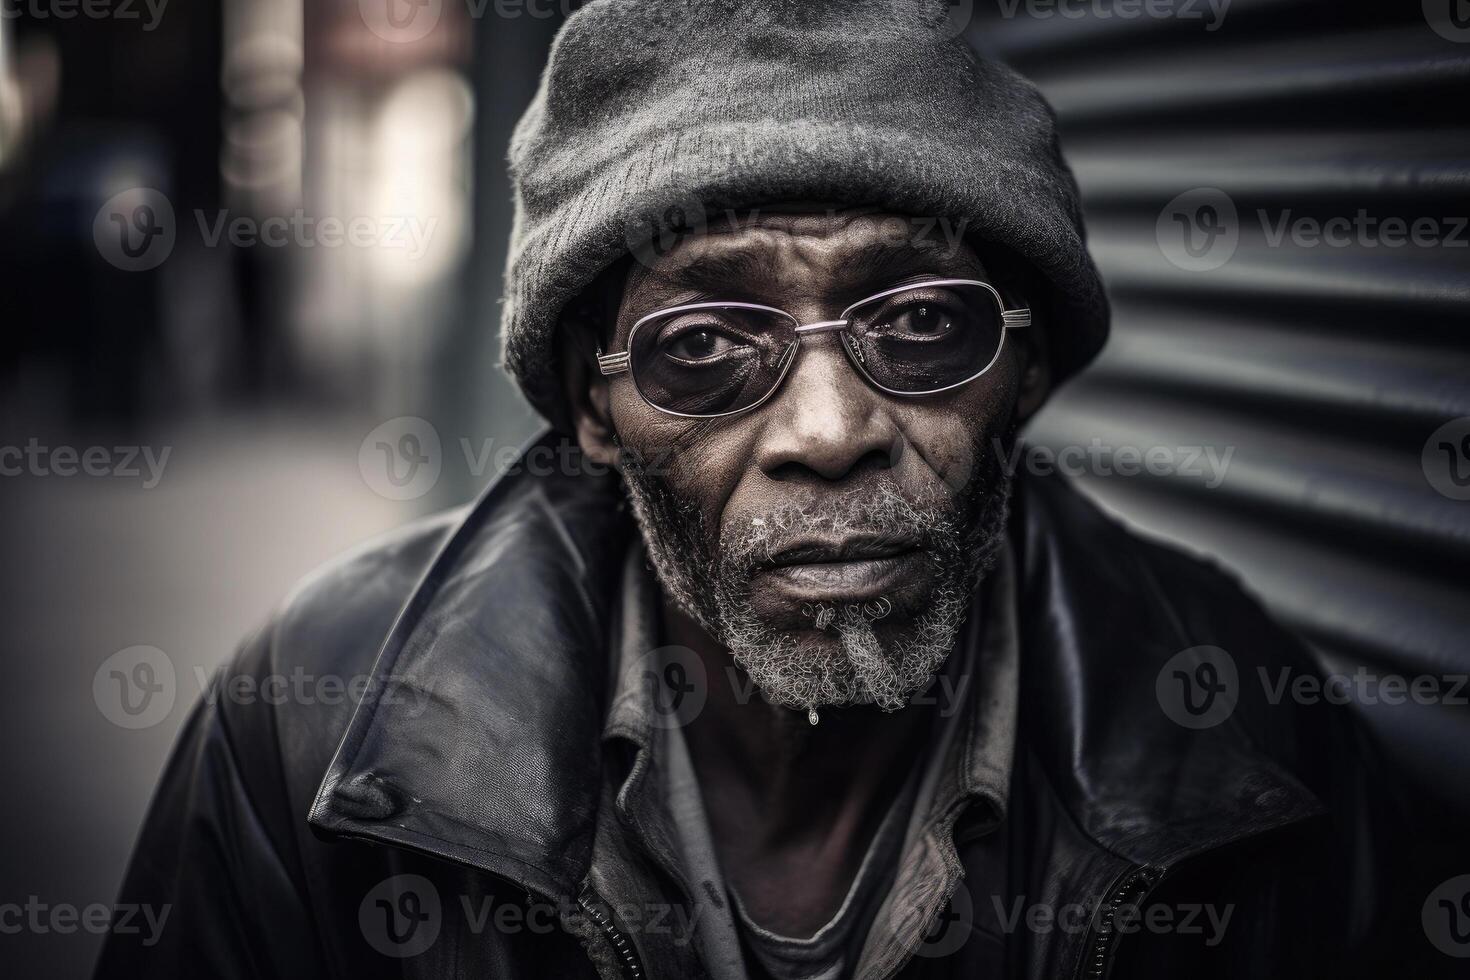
888, 260
727, 268
756, 257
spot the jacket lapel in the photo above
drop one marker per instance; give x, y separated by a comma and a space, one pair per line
1099, 626
478, 738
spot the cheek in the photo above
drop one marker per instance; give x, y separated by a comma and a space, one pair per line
712, 463
702, 462
951, 433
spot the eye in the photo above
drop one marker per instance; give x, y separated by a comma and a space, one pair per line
925, 320
922, 320
698, 344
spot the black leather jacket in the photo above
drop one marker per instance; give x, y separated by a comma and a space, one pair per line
304, 836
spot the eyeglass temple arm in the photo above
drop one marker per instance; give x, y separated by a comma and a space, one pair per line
612, 363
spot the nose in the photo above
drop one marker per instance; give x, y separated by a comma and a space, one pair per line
826, 423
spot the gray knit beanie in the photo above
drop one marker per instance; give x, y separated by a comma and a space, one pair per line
653, 114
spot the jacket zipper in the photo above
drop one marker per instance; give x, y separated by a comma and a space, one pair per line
1132, 886
628, 964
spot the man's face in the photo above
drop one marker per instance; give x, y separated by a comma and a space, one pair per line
832, 537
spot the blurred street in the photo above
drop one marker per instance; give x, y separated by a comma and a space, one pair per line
246, 507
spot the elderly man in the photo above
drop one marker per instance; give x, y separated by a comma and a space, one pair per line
789, 676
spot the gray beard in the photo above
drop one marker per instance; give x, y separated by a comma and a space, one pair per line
710, 580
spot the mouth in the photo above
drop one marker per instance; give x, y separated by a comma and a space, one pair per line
849, 570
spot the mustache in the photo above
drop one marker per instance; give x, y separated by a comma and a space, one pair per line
875, 523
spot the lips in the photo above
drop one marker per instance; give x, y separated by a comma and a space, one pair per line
851, 569
810, 551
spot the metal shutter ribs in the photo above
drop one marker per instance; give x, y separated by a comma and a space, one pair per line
1322, 366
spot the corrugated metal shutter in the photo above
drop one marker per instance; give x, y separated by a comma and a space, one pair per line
1325, 367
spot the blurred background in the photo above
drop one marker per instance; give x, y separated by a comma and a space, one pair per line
249, 246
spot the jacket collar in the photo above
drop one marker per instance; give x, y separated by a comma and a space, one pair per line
480, 740
482, 744
1102, 612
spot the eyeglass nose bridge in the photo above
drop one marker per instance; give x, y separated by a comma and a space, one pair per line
822, 326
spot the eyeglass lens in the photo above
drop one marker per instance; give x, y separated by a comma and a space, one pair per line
719, 359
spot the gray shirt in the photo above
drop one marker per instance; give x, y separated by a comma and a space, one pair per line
829, 953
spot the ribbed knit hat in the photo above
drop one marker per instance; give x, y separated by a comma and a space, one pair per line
651, 115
